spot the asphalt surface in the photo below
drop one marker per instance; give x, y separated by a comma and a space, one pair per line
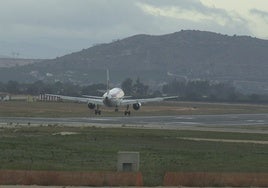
256, 122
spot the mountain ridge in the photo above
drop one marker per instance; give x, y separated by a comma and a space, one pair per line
189, 54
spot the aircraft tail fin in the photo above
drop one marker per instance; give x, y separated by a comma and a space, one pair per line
108, 81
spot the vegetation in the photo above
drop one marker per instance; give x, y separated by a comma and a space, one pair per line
202, 90
191, 54
195, 90
95, 149
137, 89
40, 87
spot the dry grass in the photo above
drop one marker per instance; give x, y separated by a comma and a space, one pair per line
20, 177
205, 179
95, 149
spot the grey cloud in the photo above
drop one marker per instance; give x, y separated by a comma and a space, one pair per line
69, 25
194, 5
260, 13
61, 26
65, 14
234, 23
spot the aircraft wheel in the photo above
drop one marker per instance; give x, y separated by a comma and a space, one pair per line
127, 113
97, 112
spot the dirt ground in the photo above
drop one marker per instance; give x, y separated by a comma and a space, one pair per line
36, 186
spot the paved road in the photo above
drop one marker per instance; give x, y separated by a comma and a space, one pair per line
184, 121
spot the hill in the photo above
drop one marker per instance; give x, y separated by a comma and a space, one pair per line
240, 60
11, 62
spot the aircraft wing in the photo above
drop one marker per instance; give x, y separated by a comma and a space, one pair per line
94, 97
97, 101
156, 99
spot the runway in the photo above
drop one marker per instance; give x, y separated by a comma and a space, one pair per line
246, 122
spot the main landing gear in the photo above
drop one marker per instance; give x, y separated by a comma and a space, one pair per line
97, 111
127, 112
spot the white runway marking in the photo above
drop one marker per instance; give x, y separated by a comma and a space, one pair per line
187, 123
101, 119
183, 117
225, 140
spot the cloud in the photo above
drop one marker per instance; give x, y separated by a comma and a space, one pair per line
101, 20
261, 14
60, 15
75, 24
259, 22
67, 25
179, 13
197, 14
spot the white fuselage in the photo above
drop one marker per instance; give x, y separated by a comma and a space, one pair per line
113, 97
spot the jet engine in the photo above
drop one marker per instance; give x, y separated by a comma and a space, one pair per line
91, 105
136, 106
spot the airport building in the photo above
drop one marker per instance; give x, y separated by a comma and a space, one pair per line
43, 97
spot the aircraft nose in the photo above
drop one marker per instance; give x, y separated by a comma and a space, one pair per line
108, 97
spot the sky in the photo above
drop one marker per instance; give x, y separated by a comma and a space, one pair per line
52, 28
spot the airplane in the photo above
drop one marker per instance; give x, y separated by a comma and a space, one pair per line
114, 97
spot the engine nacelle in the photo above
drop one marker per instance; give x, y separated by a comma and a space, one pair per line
91, 105
136, 106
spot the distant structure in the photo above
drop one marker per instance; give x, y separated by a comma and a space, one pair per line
29, 98
128, 161
15, 54
43, 97
4, 96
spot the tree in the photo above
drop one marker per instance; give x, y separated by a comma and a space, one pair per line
93, 89
139, 89
36, 88
13, 87
200, 90
2, 87
127, 86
